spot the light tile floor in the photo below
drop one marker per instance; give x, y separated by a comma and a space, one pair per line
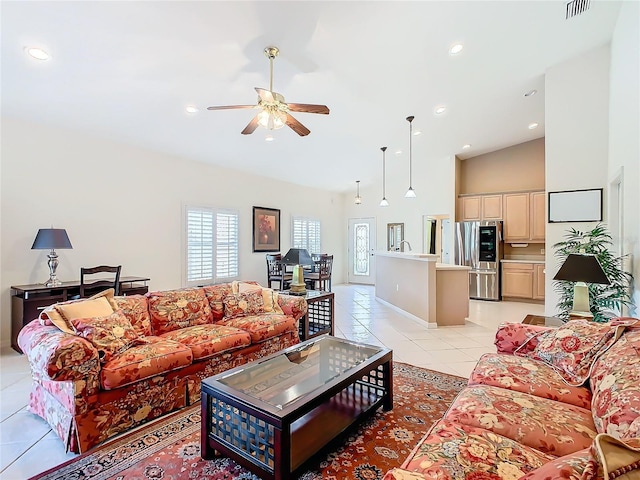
28, 446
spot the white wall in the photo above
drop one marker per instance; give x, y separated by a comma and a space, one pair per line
624, 127
576, 140
123, 205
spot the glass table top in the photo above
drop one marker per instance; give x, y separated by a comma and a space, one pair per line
298, 371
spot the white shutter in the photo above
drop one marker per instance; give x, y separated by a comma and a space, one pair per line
199, 245
306, 234
211, 245
226, 245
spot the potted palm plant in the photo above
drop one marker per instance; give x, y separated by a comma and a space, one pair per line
605, 301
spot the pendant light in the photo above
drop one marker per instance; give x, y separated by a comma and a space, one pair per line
411, 193
358, 197
383, 202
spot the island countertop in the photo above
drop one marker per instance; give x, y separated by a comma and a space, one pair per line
448, 266
423, 257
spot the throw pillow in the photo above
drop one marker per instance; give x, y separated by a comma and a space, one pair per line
111, 334
612, 458
572, 348
61, 314
243, 304
269, 296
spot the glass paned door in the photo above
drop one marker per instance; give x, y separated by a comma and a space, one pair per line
361, 250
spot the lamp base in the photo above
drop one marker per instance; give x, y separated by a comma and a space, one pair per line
53, 266
298, 289
581, 299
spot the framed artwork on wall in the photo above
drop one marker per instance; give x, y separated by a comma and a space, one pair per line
575, 206
266, 229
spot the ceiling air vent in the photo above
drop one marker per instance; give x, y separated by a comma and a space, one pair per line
576, 7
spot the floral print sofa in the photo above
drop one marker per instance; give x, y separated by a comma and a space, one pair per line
550, 404
108, 374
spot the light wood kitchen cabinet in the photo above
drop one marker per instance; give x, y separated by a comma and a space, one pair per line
516, 226
471, 208
517, 280
538, 216
523, 280
480, 207
492, 207
538, 281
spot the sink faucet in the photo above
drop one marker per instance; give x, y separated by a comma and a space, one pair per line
408, 244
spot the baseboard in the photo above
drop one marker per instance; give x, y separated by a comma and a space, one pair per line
407, 314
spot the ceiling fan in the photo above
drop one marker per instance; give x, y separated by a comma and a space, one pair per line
274, 112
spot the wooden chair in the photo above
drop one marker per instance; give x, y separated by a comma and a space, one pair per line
91, 286
276, 273
321, 276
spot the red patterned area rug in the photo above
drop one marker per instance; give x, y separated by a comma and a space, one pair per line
170, 447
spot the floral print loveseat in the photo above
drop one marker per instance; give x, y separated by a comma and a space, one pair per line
550, 404
148, 354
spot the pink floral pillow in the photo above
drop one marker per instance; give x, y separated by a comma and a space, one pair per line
572, 348
243, 304
110, 335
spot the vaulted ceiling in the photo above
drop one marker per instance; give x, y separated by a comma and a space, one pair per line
127, 70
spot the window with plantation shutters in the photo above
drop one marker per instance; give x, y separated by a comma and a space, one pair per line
226, 245
306, 234
211, 245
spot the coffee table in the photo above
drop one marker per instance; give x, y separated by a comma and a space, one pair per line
273, 414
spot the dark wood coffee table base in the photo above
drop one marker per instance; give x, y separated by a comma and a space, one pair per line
275, 445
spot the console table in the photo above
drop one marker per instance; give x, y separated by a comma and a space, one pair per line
27, 301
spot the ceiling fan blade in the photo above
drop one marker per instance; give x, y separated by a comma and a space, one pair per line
308, 108
296, 126
230, 107
251, 127
265, 95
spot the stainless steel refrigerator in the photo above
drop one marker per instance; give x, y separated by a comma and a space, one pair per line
479, 245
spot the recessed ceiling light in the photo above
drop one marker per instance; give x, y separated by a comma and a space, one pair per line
191, 109
467, 146
533, 125
398, 152
416, 133
268, 138
455, 49
440, 110
531, 93
37, 53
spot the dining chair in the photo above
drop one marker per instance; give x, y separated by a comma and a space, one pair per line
93, 285
321, 276
276, 273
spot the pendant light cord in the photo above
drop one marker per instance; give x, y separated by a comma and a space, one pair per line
410, 120
384, 195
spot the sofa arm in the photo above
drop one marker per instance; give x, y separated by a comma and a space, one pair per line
56, 355
510, 336
293, 305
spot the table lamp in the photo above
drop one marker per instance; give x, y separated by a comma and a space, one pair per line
582, 269
298, 257
50, 239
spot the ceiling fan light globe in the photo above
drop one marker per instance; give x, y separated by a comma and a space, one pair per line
263, 119
271, 120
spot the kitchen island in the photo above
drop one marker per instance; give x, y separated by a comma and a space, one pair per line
416, 285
